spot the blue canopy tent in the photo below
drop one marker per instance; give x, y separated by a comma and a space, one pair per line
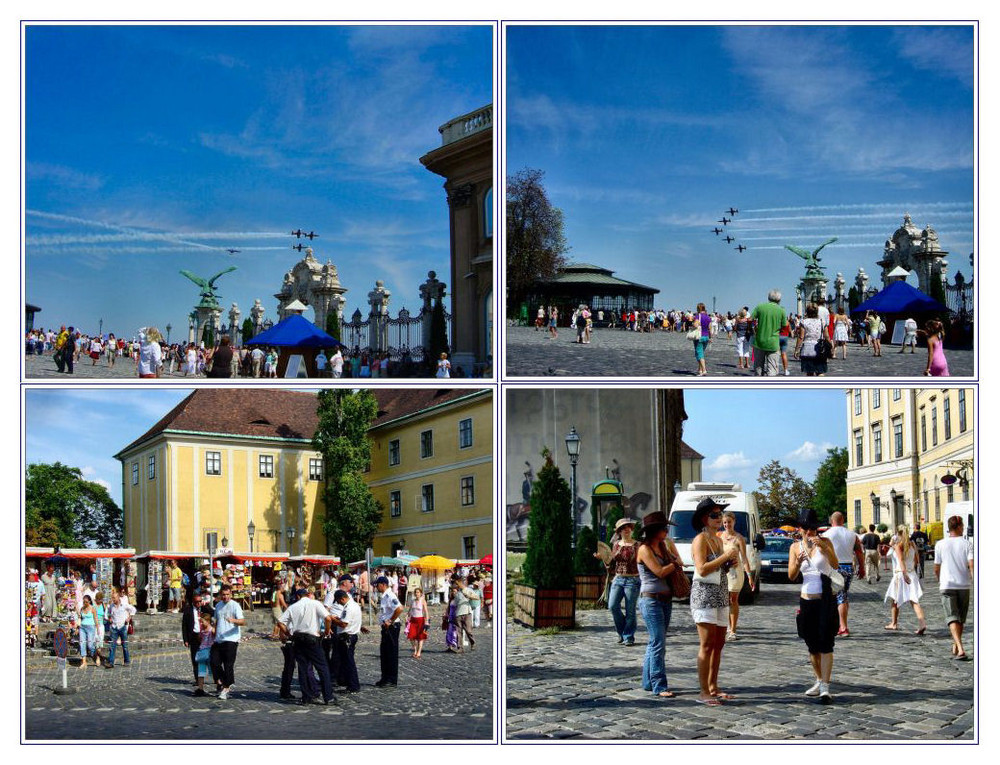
900, 301
298, 336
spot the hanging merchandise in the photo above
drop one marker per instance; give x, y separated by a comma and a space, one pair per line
31, 615
105, 577
154, 585
66, 601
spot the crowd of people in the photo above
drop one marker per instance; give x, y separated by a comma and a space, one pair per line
762, 335
645, 573
151, 356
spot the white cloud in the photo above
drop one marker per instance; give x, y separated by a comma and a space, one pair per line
809, 452
734, 461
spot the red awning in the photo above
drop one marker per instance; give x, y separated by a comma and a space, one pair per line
272, 557
318, 560
84, 554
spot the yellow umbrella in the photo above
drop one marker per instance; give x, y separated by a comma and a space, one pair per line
433, 562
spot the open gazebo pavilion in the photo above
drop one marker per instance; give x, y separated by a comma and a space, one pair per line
596, 287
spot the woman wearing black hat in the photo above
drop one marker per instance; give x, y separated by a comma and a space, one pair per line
710, 597
817, 620
657, 559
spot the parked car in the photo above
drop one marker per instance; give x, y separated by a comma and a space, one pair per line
742, 504
774, 559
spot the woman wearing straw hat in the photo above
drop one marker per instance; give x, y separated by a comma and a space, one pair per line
710, 597
625, 585
817, 620
657, 559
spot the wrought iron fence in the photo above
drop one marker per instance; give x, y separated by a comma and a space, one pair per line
400, 338
960, 298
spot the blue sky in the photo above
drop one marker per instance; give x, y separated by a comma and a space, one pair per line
154, 148
739, 431
647, 134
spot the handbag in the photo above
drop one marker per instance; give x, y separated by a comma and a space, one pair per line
680, 587
824, 349
203, 654
444, 622
131, 628
694, 334
836, 581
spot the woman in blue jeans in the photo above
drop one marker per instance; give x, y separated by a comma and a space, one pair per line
625, 585
657, 559
88, 630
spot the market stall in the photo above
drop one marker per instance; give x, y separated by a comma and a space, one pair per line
111, 567
151, 583
311, 568
251, 575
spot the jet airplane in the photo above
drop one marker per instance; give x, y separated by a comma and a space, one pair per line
231, 251
725, 220
729, 239
733, 211
298, 246
717, 230
740, 247
297, 233
312, 235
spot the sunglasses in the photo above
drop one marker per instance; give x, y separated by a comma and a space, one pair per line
715, 515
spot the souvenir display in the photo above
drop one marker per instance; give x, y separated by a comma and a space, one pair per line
154, 585
31, 615
105, 577
66, 601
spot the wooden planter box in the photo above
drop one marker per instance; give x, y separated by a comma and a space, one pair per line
589, 587
534, 607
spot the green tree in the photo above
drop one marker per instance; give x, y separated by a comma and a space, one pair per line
614, 515
246, 331
937, 292
333, 325
536, 244
62, 508
352, 514
438, 341
853, 299
782, 494
586, 546
549, 559
208, 336
830, 484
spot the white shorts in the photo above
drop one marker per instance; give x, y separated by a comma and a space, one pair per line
716, 616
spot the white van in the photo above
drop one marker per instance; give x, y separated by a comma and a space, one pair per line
966, 511
741, 503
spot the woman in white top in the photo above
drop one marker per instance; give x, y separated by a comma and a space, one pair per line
808, 334
817, 620
841, 334
443, 366
903, 588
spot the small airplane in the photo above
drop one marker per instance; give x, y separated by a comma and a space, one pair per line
298, 246
725, 220
231, 251
729, 239
739, 247
312, 235
297, 233
733, 211
717, 230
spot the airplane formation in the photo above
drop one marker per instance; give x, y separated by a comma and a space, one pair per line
725, 222
299, 233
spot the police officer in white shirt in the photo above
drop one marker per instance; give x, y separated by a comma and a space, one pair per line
305, 620
388, 615
348, 625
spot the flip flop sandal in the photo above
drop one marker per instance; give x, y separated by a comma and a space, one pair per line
666, 694
712, 702
721, 696
891, 629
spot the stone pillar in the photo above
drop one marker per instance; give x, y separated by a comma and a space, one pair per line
327, 294
234, 324
192, 325
861, 283
285, 296
257, 316
798, 300
838, 284
378, 302
431, 291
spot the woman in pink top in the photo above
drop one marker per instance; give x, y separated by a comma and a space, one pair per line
937, 364
416, 632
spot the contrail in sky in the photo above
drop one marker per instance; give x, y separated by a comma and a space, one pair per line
858, 216
859, 206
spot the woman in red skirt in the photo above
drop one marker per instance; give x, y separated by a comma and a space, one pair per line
416, 633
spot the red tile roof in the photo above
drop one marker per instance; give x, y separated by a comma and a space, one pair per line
687, 453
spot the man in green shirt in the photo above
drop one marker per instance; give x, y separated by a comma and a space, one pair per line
770, 319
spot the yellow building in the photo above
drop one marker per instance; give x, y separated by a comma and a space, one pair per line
901, 443
227, 457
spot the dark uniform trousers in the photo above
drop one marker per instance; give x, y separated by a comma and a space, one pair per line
389, 653
309, 653
345, 661
332, 658
288, 668
223, 661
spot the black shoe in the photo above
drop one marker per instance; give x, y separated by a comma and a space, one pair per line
199, 692
285, 696
384, 683
620, 640
629, 642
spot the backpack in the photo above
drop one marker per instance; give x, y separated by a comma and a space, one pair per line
581, 321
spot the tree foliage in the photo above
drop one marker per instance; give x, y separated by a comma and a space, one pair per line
830, 484
438, 342
246, 331
584, 561
61, 508
333, 325
536, 244
853, 299
208, 336
549, 560
352, 515
782, 494
614, 515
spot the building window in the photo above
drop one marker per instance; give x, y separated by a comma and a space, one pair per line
937, 504
469, 547
213, 463
151, 467
395, 504
857, 402
897, 393
394, 452
468, 491
934, 426
950, 493
961, 411
857, 513
877, 511
265, 466
426, 444
927, 502
859, 449
427, 498
465, 433
315, 469
488, 213
877, 442
135, 473
923, 432
947, 418
897, 437
876, 398
965, 492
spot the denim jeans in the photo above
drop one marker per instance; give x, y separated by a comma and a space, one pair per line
624, 588
656, 614
116, 633
88, 640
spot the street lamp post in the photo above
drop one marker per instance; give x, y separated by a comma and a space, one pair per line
251, 529
573, 450
211, 565
877, 505
168, 332
897, 500
290, 533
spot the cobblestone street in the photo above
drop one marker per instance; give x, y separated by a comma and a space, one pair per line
44, 368
886, 685
441, 696
617, 353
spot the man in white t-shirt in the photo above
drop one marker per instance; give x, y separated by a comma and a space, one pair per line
337, 363
909, 335
954, 567
847, 546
